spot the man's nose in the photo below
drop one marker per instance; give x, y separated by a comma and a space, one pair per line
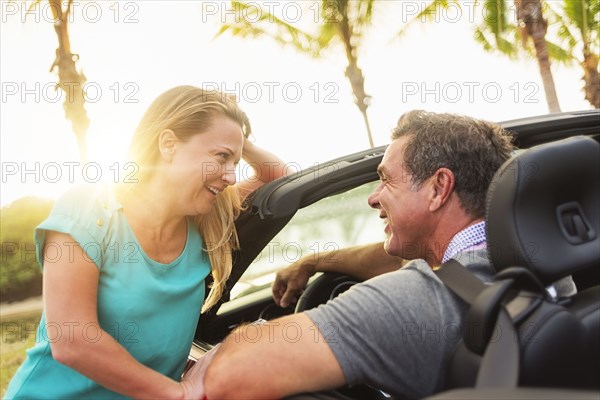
374, 199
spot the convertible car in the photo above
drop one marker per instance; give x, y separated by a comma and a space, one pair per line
324, 208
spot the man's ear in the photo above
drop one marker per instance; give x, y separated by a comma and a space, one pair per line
442, 183
166, 144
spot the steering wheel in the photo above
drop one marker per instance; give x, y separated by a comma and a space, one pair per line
323, 289
326, 287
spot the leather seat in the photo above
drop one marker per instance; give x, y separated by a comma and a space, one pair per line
543, 225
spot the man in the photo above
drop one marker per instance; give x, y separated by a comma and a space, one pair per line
397, 330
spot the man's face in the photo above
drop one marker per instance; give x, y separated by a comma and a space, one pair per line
403, 208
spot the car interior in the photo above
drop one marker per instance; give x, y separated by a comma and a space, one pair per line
543, 226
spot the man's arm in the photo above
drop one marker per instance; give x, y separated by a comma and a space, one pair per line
272, 360
362, 262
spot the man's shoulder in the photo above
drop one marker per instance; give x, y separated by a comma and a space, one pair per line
477, 262
414, 276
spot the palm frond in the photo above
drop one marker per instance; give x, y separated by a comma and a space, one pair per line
362, 13
574, 11
428, 13
496, 16
568, 18
251, 22
494, 31
593, 13
559, 54
557, 18
565, 34
481, 38
493, 43
327, 33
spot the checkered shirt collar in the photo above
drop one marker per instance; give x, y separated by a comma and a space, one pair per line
471, 237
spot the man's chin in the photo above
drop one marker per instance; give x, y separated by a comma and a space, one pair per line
406, 252
387, 246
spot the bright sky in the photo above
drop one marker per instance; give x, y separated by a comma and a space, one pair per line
301, 108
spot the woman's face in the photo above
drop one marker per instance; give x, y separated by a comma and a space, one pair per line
204, 166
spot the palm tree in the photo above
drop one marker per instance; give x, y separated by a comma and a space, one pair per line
70, 80
497, 33
342, 20
534, 26
578, 32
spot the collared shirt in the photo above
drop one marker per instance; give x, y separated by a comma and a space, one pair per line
471, 238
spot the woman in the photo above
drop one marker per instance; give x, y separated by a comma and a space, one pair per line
124, 267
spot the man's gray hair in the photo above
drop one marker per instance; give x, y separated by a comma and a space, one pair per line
472, 149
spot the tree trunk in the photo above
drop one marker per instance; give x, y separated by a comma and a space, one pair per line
69, 79
353, 71
529, 15
591, 78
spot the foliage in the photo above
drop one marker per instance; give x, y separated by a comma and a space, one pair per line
503, 26
573, 36
20, 275
18, 335
342, 22
577, 34
578, 25
269, 25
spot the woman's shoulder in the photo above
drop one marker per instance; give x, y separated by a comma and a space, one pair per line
86, 192
84, 212
89, 196
89, 206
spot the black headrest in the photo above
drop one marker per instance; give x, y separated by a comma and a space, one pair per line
543, 209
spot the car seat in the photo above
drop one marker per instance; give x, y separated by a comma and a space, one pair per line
543, 225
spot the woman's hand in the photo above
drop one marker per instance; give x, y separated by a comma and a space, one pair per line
265, 165
193, 380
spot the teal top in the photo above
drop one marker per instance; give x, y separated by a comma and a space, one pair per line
151, 309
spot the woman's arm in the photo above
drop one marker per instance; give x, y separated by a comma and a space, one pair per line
265, 166
70, 300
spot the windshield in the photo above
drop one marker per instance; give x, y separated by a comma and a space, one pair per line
330, 224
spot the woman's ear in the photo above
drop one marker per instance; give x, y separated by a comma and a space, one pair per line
443, 186
166, 144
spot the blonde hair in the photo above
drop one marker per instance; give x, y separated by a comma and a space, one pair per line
220, 238
188, 111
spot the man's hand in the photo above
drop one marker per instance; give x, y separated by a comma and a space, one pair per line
291, 282
361, 262
193, 380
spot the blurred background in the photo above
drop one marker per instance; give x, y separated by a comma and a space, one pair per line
286, 61
318, 79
